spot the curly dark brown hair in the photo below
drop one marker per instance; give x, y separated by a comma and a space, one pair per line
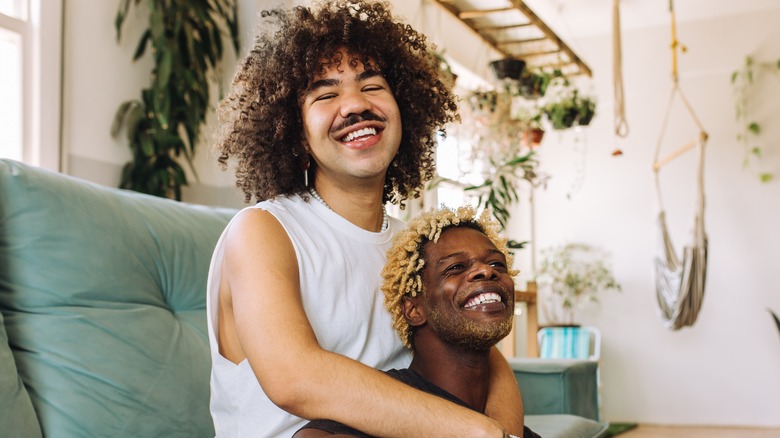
261, 122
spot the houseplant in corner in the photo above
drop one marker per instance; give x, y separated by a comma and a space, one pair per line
164, 124
572, 275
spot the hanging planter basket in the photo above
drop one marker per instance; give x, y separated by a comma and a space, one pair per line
586, 110
507, 68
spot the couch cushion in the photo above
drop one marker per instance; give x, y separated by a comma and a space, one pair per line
558, 386
565, 426
17, 417
103, 293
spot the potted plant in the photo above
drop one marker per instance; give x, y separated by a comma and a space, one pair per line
533, 84
507, 68
586, 109
499, 190
572, 275
533, 133
163, 125
562, 113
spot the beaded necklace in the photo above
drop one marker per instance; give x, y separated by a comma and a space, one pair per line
315, 195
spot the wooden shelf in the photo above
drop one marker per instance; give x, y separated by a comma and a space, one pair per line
515, 31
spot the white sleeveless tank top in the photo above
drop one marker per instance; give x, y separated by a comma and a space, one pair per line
340, 269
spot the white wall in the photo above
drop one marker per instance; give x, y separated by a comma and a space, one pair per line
725, 370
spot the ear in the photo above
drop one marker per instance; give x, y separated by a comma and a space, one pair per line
414, 310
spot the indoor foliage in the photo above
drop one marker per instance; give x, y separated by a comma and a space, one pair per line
748, 128
573, 274
187, 44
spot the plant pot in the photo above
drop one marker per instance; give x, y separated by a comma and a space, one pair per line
565, 119
507, 68
584, 119
532, 137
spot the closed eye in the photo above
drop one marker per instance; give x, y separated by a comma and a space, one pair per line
325, 97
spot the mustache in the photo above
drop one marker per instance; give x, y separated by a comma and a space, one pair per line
352, 119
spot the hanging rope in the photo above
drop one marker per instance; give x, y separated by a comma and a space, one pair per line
680, 283
621, 125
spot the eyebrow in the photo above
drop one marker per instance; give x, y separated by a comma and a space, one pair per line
362, 76
460, 253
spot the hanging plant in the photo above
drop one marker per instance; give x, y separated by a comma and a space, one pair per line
164, 124
499, 190
748, 129
533, 84
507, 68
586, 109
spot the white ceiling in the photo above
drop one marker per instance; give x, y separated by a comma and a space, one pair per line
574, 19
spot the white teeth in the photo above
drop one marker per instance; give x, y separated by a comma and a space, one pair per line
490, 297
360, 133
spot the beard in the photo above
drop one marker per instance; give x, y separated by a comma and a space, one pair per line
468, 334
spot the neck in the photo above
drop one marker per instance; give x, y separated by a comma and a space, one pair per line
464, 374
361, 206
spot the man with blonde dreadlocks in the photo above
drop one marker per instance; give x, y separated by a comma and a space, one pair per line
448, 286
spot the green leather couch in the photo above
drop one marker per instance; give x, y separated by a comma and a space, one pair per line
102, 314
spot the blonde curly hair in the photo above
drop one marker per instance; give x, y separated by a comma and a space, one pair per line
402, 274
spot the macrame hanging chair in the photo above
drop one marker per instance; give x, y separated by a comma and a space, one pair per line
680, 283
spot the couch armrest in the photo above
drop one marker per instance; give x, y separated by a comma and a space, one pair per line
558, 386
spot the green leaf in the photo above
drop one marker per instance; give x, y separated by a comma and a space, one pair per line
147, 146
134, 119
124, 6
119, 117
765, 177
157, 25
754, 128
139, 51
756, 151
164, 69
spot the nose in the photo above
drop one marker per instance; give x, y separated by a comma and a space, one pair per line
483, 271
353, 102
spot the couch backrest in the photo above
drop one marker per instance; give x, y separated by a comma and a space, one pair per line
102, 292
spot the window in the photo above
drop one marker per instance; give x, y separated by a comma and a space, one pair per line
11, 95
30, 54
456, 170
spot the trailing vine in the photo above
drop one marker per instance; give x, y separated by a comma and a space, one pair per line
748, 129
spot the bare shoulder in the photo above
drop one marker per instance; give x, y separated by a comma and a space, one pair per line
254, 226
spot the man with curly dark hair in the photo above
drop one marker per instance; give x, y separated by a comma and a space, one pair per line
333, 113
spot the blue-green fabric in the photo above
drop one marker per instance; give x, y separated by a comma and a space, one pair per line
564, 386
103, 294
17, 416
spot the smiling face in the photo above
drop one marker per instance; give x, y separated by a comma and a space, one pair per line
468, 292
352, 124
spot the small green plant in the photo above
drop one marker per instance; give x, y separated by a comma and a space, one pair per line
748, 129
573, 274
